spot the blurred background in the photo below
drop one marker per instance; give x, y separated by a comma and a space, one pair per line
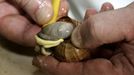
17, 60
78, 7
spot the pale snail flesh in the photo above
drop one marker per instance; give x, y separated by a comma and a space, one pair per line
56, 31
66, 51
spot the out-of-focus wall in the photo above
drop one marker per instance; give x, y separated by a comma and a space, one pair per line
78, 7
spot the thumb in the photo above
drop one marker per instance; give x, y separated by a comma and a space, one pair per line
105, 28
41, 11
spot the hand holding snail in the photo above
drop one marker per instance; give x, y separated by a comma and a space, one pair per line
17, 26
21, 27
54, 32
109, 35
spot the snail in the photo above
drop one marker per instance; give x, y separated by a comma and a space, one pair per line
56, 31
68, 52
55, 38
65, 51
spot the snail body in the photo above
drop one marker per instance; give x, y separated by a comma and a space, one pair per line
65, 51
56, 31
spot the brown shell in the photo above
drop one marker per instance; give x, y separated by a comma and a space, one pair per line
66, 51
68, 19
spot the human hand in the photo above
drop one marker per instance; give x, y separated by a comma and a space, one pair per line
109, 36
15, 24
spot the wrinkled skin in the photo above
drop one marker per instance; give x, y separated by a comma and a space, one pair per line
110, 37
17, 26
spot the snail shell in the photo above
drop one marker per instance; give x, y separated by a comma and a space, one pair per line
66, 51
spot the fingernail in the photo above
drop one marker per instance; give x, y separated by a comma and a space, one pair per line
89, 12
106, 6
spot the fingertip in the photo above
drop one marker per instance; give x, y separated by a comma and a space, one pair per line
45, 63
76, 35
89, 12
76, 38
106, 6
64, 8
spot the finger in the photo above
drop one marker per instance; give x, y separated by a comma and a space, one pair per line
4, 7
57, 68
64, 8
101, 67
41, 10
2, 1
93, 67
90, 12
75, 35
106, 6
45, 63
18, 29
104, 28
15, 27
